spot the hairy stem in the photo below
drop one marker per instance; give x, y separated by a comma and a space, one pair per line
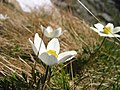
92, 55
100, 45
71, 71
46, 74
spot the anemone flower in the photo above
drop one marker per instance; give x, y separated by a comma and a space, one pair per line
3, 17
50, 55
50, 33
107, 31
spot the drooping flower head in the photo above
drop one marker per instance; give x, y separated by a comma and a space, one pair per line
50, 33
50, 55
107, 31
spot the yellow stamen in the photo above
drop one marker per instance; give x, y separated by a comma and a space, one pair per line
50, 33
107, 30
53, 53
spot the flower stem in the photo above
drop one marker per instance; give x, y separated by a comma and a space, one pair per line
72, 81
71, 68
46, 74
100, 45
50, 72
49, 76
92, 55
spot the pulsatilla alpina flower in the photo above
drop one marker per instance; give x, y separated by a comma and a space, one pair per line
50, 55
3, 17
50, 33
107, 31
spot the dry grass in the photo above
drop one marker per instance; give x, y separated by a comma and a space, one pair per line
14, 34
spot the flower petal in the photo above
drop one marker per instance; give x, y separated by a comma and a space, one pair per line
66, 56
48, 59
42, 28
110, 25
94, 29
109, 35
47, 31
56, 33
33, 47
99, 26
39, 44
116, 30
54, 45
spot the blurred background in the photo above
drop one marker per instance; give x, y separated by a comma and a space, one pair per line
105, 10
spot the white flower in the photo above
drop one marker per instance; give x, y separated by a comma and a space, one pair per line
106, 31
3, 17
50, 33
50, 55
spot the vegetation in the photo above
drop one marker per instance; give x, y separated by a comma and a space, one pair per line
96, 66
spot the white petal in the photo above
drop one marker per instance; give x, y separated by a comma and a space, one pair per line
109, 35
39, 44
54, 45
66, 56
116, 30
49, 29
48, 59
110, 25
57, 33
99, 26
45, 32
43, 28
116, 35
33, 47
94, 29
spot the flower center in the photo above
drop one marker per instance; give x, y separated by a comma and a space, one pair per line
107, 30
50, 33
52, 52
